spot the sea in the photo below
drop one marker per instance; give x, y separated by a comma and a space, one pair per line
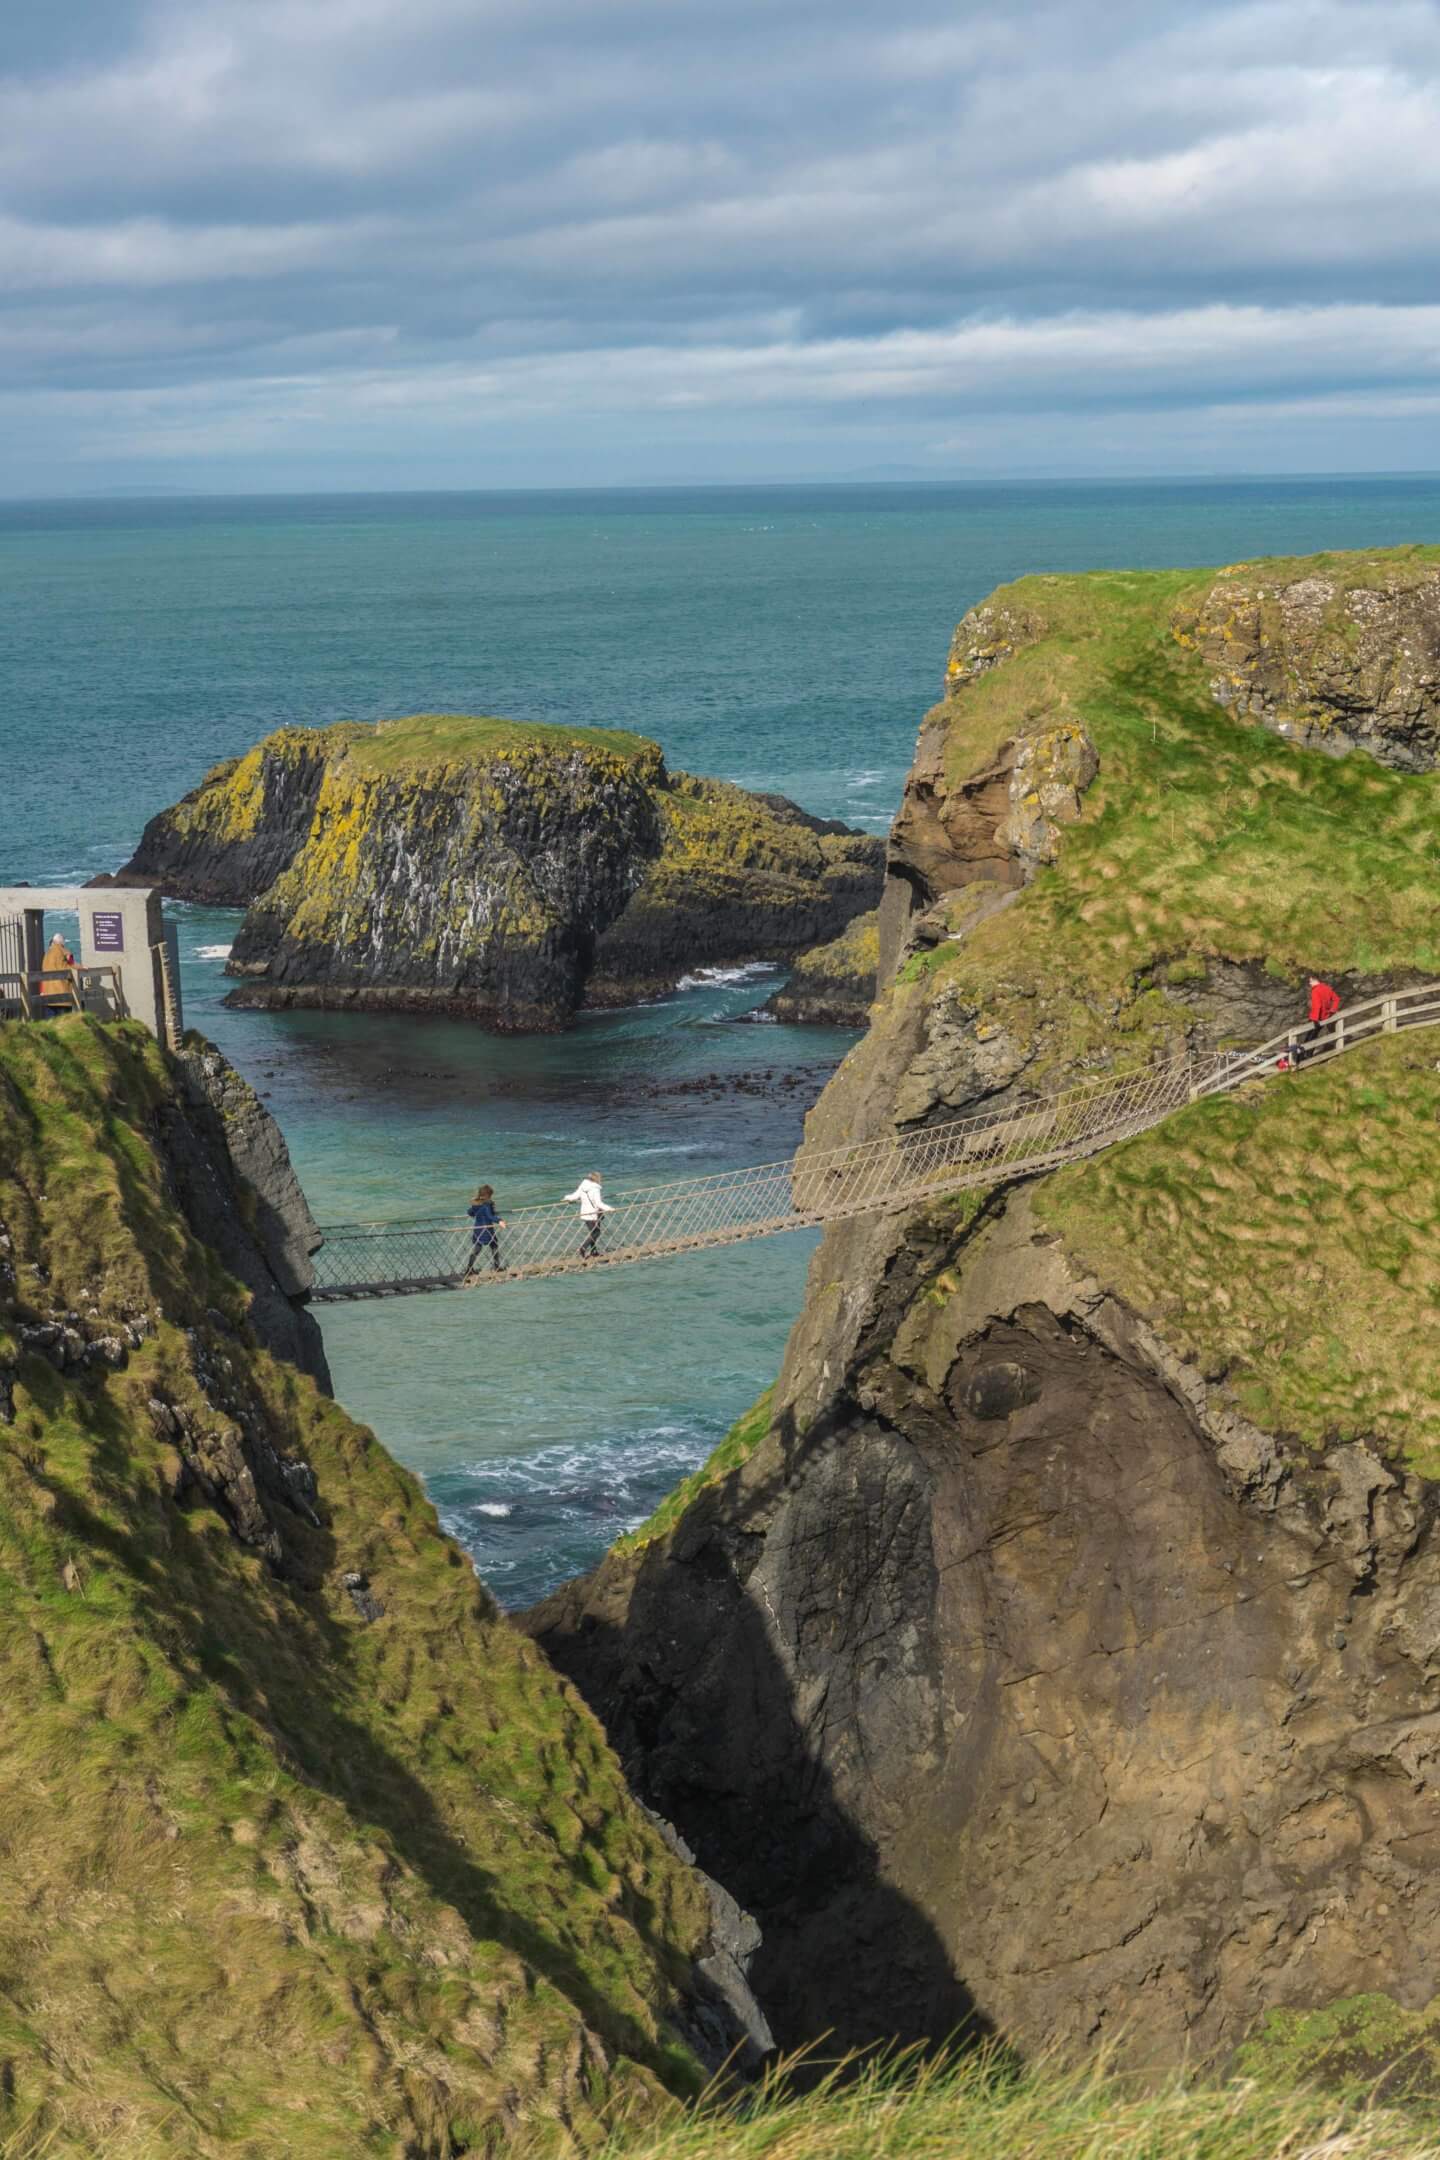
788, 638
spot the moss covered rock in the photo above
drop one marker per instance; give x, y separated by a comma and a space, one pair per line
833, 985
499, 871
1336, 652
306, 1850
1071, 1637
1369, 2048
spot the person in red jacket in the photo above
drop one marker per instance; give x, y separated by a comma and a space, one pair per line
1324, 1004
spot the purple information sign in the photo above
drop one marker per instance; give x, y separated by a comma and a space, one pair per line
108, 932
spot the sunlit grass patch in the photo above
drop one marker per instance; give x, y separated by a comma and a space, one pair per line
1202, 837
1288, 1238
982, 2108
738, 1445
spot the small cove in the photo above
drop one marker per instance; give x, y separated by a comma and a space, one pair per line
546, 1418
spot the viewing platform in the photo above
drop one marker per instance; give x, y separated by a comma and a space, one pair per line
127, 966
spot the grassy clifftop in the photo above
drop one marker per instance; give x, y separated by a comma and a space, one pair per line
305, 1851
424, 739
236, 797
1210, 833
1288, 1239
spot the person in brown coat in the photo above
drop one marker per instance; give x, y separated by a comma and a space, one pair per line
57, 977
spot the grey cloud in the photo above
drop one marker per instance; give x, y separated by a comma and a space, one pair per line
247, 223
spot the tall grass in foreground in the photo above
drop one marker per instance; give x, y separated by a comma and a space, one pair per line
975, 2110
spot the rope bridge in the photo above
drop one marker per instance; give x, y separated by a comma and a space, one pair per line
389, 1259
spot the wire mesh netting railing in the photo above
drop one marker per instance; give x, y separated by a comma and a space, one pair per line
368, 1260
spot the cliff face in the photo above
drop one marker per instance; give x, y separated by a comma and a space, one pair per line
306, 1850
230, 1171
502, 872
1058, 1650
232, 836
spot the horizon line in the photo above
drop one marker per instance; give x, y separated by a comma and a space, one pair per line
161, 493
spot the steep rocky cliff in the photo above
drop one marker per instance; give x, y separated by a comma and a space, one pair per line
1058, 1649
485, 868
230, 1171
306, 1851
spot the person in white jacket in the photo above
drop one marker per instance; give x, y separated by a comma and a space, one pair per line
593, 1211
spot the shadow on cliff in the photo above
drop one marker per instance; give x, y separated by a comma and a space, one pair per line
714, 1735
285, 1665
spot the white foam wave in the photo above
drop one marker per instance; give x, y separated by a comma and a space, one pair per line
570, 1470
725, 978
213, 952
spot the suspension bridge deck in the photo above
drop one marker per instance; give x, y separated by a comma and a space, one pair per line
816, 1186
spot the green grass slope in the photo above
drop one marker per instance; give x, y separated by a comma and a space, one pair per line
1203, 837
275, 1878
1287, 1240
738, 1445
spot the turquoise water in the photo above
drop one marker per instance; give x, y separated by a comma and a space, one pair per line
785, 638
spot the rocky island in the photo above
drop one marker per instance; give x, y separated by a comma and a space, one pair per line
504, 872
833, 985
1054, 1651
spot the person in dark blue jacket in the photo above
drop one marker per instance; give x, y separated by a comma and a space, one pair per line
485, 1237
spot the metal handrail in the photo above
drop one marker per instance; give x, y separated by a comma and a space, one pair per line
379, 1259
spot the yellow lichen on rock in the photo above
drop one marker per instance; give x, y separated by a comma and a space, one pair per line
493, 868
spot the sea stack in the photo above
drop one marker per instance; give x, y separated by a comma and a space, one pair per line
508, 873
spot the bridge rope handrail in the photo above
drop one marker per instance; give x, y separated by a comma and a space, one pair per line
375, 1259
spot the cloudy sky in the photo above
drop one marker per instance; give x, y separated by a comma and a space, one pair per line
416, 243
